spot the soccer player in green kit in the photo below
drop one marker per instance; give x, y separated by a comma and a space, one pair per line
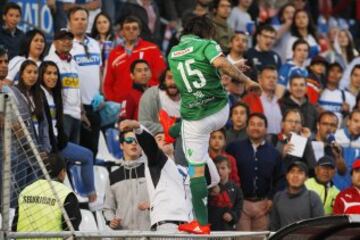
195, 62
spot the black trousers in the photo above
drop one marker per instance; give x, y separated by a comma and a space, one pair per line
89, 137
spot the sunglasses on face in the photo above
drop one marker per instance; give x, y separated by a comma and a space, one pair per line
130, 140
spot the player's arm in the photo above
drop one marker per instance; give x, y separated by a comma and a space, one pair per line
226, 67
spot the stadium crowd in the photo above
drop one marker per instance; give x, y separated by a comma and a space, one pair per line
295, 142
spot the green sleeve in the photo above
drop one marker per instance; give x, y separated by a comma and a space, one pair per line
212, 51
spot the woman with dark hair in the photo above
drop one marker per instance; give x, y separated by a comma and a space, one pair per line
49, 78
303, 27
343, 50
282, 23
32, 47
27, 98
103, 33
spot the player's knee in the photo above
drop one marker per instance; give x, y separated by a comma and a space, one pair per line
196, 170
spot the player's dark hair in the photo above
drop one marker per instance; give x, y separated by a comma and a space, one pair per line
201, 26
11, 5
299, 42
73, 10
137, 61
258, 115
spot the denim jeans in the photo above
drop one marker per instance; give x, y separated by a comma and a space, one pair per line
72, 128
74, 154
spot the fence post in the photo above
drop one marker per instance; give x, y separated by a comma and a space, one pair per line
6, 163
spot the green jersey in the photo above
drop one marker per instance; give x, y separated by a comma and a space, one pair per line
197, 80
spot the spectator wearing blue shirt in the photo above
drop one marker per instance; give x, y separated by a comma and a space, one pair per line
294, 66
10, 34
349, 139
261, 55
261, 172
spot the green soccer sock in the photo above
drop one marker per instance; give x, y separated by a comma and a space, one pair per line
199, 198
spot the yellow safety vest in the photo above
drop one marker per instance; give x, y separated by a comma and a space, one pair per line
38, 208
327, 198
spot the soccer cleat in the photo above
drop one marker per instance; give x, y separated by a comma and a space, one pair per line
194, 227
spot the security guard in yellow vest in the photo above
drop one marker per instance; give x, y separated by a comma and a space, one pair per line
38, 210
321, 183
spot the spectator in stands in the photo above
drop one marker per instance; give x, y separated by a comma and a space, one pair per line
148, 14
282, 24
223, 32
165, 96
296, 98
63, 42
303, 27
267, 103
326, 127
240, 19
10, 34
201, 8
45, 216
316, 78
93, 7
333, 98
296, 202
217, 145
354, 85
126, 199
49, 78
292, 122
31, 94
261, 55
32, 47
140, 74
238, 46
346, 77
348, 200
348, 138
343, 51
239, 114
225, 200
87, 54
102, 32
261, 172
117, 81
296, 65
322, 183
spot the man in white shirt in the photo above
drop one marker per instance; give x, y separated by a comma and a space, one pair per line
63, 42
87, 54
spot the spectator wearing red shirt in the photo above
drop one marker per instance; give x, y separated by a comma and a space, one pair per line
140, 75
348, 200
216, 148
117, 81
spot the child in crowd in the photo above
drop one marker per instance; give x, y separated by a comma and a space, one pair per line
225, 200
216, 148
239, 114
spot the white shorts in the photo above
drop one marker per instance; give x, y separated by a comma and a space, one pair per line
196, 135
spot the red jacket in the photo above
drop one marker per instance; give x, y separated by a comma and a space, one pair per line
117, 81
347, 202
254, 103
131, 103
